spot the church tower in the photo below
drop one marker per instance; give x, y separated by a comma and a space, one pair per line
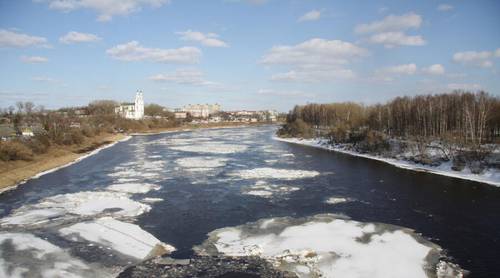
139, 105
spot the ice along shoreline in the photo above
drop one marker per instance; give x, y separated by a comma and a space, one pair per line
490, 177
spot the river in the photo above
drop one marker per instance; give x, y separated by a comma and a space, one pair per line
179, 187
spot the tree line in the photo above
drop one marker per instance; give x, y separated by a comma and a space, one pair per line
460, 117
70, 126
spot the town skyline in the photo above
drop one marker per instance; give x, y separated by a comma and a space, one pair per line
187, 52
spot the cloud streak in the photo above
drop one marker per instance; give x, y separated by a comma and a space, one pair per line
209, 39
133, 51
18, 40
77, 37
105, 9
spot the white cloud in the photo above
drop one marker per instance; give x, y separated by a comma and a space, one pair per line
436, 69
391, 23
76, 37
133, 51
444, 7
392, 39
106, 9
390, 31
475, 58
310, 16
34, 59
186, 77
13, 39
464, 86
497, 53
314, 60
406, 69
209, 39
308, 75
388, 73
314, 52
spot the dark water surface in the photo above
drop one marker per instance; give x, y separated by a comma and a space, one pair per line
461, 216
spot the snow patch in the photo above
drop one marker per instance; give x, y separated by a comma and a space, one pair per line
325, 245
35, 257
490, 176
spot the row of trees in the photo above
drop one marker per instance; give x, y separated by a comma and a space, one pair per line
71, 126
468, 118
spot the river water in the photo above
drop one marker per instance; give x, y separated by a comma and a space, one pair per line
179, 187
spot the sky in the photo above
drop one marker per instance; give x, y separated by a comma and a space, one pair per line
245, 54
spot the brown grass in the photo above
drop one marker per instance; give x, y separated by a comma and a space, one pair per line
14, 172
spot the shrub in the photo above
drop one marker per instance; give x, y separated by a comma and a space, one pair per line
374, 142
40, 143
76, 137
297, 128
13, 150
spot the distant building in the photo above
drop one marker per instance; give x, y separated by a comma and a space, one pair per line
133, 110
201, 110
180, 115
27, 132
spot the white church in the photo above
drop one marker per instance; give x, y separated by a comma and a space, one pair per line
133, 110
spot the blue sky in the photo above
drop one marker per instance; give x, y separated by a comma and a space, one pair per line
245, 54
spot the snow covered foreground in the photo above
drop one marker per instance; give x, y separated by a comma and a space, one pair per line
36, 257
490, 176
328, 246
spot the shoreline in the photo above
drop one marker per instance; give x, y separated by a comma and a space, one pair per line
40, 167
487, 178
10, 179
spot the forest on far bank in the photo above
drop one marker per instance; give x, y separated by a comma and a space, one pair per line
465, 125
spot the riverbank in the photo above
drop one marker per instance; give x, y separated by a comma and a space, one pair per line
490, 176
13, 173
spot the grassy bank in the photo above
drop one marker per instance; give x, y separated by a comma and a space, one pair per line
14, 172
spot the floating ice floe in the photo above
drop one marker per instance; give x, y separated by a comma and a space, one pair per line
201, 163
328, 246
265, 190
85, 203
32, 256
272, 173
125, 238
151, 200
336, 200
211, 147
131, 173
133, 188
